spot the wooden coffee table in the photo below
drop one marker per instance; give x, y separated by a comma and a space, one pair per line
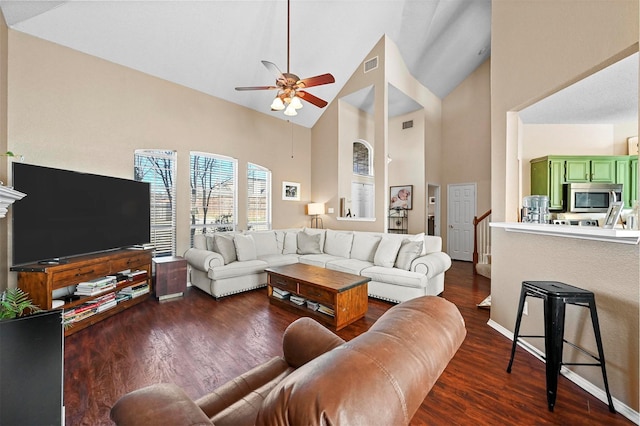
343, 294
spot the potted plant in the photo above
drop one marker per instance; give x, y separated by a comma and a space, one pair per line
16, 303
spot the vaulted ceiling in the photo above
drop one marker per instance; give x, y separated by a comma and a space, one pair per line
213, 46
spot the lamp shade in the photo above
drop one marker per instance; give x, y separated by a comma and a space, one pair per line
315, 208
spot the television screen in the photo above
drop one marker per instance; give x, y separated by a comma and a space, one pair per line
68, 213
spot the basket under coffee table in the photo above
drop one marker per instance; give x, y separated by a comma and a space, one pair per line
344, 294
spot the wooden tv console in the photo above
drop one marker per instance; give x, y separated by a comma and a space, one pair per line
40, 281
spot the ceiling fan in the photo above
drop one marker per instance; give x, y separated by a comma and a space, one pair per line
290, 86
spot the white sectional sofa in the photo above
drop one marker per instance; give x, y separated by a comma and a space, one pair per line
401, 267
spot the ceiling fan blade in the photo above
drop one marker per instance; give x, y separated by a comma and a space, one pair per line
316, 81
306, 96
274, 70
257, 88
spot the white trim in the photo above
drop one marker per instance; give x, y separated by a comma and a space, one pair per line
583, 383
617, 235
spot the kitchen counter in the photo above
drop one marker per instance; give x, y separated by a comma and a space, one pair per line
617, 235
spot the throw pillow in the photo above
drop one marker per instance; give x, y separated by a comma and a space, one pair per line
223, 244
409, 251
265, 241
210, 245
364, 246
245, 247
314, 231
309, 244
387, 252
290, 243
338, 243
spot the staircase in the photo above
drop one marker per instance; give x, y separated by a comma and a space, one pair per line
482, 245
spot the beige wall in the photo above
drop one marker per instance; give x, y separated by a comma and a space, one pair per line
327, 133
529, 64
74, 111
466, 134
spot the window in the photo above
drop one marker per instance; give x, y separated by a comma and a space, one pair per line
158, 168
258, 198
213, 193
362, 159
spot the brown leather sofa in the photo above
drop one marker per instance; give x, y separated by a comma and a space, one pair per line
378, 378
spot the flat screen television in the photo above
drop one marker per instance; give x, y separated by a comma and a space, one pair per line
67, 213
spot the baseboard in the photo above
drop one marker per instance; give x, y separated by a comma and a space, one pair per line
594, 390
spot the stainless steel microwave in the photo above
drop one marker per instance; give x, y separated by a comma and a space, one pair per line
591, 197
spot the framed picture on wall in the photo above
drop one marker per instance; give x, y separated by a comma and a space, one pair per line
400, 197
290, 191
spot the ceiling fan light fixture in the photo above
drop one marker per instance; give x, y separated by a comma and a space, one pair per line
295, 102
277, 104
290, 111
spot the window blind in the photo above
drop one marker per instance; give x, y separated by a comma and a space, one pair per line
258, 198
213, 193
158, 168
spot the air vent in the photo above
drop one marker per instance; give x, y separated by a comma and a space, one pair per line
407, 124
371, 64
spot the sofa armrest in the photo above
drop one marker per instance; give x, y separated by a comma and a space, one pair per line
432, 264
160, 404
305, 339
203, 260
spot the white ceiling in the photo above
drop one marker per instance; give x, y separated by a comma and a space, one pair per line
607, 97
213, 46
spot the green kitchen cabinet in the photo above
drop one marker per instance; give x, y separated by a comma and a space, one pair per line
601, 170
623, 176
547, 177
633, 194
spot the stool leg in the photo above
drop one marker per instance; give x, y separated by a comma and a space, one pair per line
596, 330
516, 331
553, 342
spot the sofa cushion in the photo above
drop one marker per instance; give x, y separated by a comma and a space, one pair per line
338, 243
387, 252
317, 259
409, 251
279, 259
287, 241
321, 232
395, 276
238, 269
265, 241
350, 266
245, 247
309, 243
223, 244
364, 246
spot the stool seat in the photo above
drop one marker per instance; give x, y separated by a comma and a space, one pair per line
556, 295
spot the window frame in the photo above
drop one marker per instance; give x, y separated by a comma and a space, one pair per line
266, 225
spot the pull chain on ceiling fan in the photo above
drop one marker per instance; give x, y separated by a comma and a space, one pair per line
290, 86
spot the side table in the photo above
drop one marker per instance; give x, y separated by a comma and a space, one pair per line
170, 276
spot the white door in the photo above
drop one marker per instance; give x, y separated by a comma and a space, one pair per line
461, 211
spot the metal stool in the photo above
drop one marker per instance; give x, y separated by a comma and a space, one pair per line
556, 296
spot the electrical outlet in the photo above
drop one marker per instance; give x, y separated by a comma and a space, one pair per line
525, 310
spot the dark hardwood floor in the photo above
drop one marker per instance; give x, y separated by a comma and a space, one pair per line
200, 343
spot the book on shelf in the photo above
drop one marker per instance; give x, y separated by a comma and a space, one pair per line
297, 300
98, 282
107, 305
136, 274
326, 310
135, 290
312, 305
84, 291
279, 293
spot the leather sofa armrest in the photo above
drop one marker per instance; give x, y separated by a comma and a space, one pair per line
160, 404
432, 264
203, 260
305, 339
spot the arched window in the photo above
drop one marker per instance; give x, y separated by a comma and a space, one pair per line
362, 158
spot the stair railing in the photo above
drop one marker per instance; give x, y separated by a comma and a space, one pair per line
481, 239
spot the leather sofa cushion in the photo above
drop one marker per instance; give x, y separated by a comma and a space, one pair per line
237, 269
395, 276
